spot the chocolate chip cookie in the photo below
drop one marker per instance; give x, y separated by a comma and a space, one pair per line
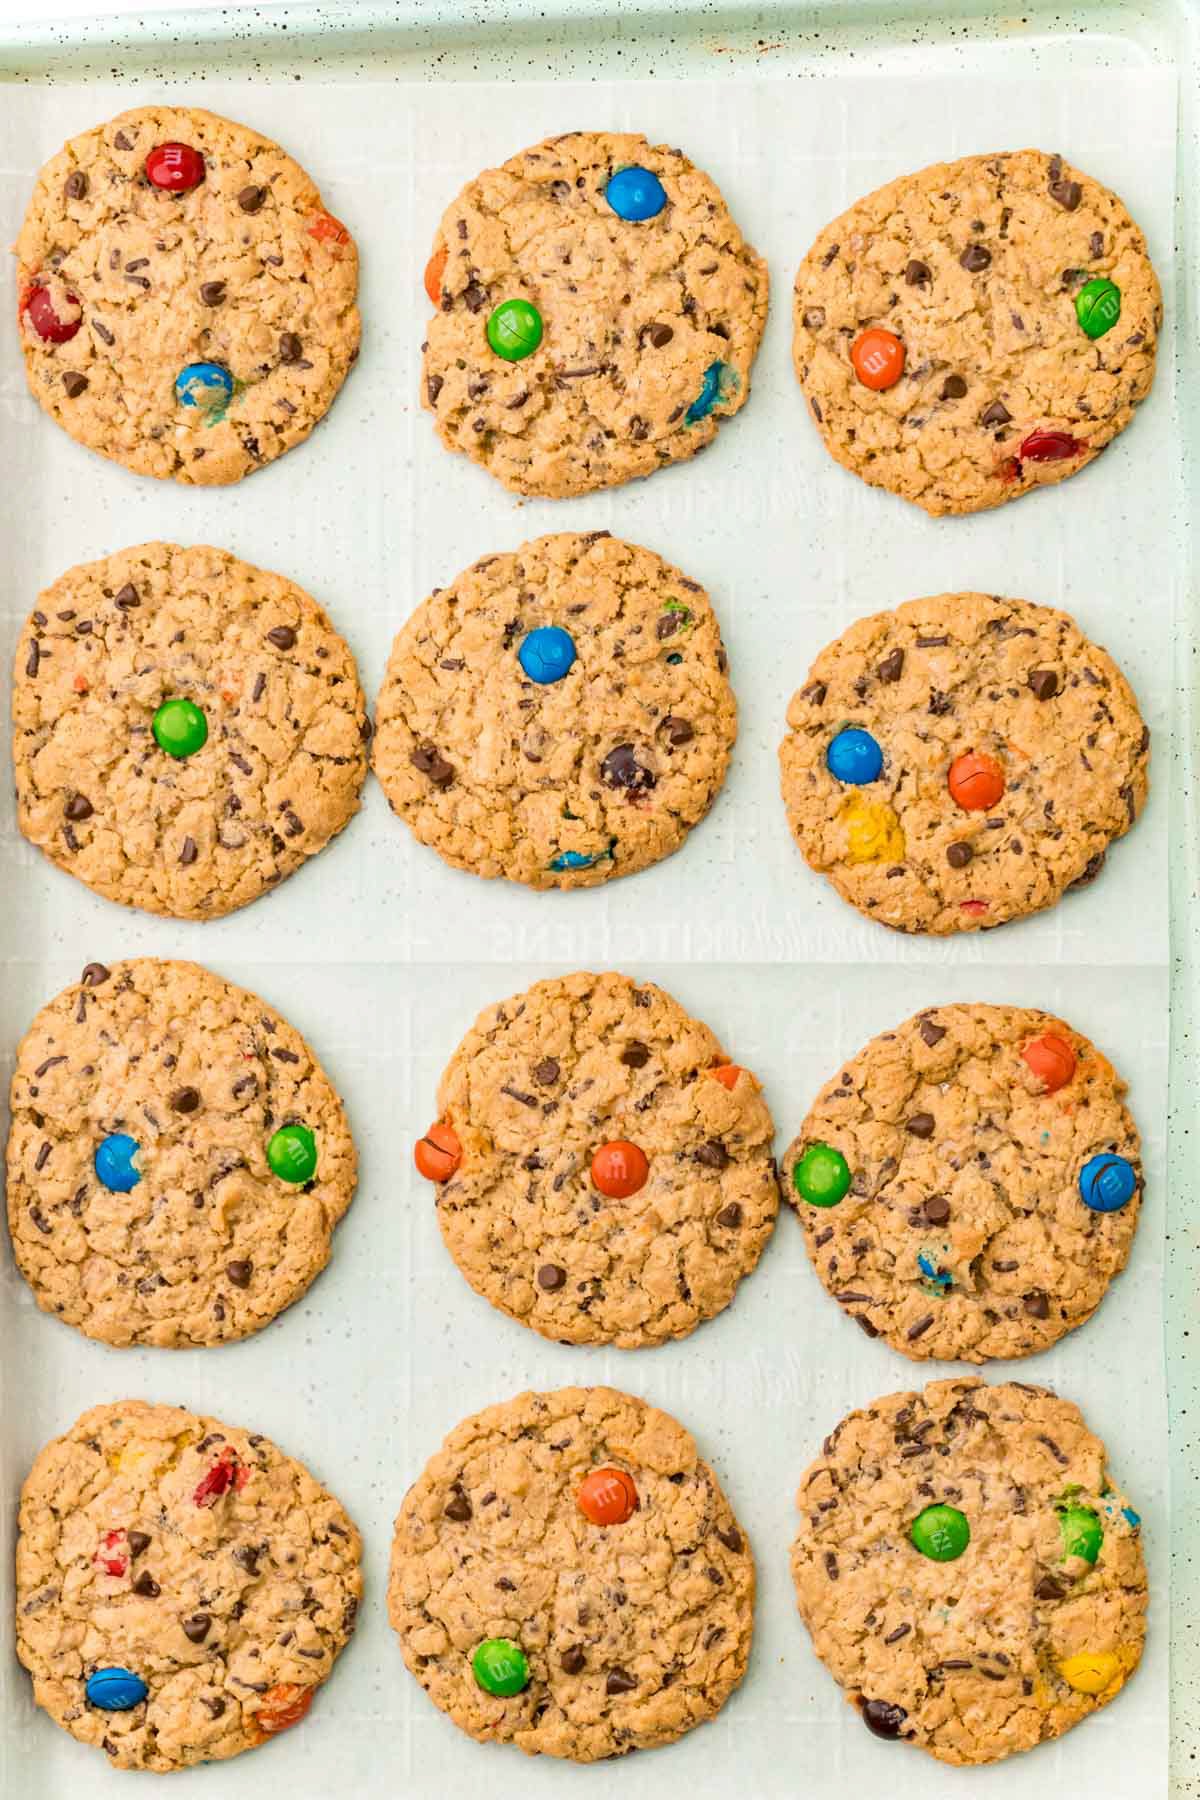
976, 330
185, 303
961, 761
604, 1171
183, 1587
558, 715
597, 314
567, 1576
968, 1570
945, 1180
177, 1159
187, 730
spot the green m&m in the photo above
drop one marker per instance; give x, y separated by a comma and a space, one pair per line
180, 728
500, 1667
515, 330
1082, 1532
1098, 306
822, 1176
292, 1153
941, 1533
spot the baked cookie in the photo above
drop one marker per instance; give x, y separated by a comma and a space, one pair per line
976, 330
567, 1576
177, 1159
604, 1172
597, 314
185, 303
969, 1183
961, 761
968, 1571
558, 715
187, 730
183, 1588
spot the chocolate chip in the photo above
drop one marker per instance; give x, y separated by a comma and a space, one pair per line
76, 185
51, 1062
974, 258
730, 1216
239, 1273
195, 1630
713, 1155
659, 335
212, 293
677, 731
290, 348
635, 1055
78, 807
1043, 683
1050, 1589
932, 1034
95, 975
146, 1586
127, 597
123, 142
474, 296
620, 1681
884, 1719
936, 1209
188, 852
622, 770
459, 1508
920, 1125
186, 1100
73, 383
138, 1541
1067, 193
282, 636
250, 198
890, 668
546, 1073
551, 1277
919, 1329
1037, 1305
572, 1660
430, 761
995, 414
667, 626
814, 318
918, 274
31, 661
959, 855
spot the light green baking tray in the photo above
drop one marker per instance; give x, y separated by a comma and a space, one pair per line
442, 41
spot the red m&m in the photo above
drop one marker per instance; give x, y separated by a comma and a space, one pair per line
1050, 446
976, 781
607, 1497
175, 168
39, 308
619, 1169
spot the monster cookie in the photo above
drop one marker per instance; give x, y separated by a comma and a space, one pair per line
597, 315
969, 1184
186, 305
976, 330
968, 1571
187, 730
604, 1171
962, 761
567, 1576
177, 1159
559, 715
183, 1588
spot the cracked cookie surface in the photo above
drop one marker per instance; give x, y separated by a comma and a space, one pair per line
245, 270
944, 678
569, 782
975, 267
198, 1557
210, 1244
635, 316
633, 1632
539, 1084
959, 1155
965, 1657
285, 757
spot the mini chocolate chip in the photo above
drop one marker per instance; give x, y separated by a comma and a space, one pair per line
290, 348
138, 1541
713, 1155
95, 974
250, 198
920, 1125
572, 1660
78, 807
239, 1273
546, 1073
918, 274
635, 1055
730, 1216
212, 293
620, 1681
959, 855
146, 1586
76, 185
459, 1509
551, 1277
282, 636
974, 258
188, 852
126, 597
73, 383
186, 1100
936, 1209
953, 388
884, 1719
995, 414
1037, 1305
1043, 683
1067, 193
195, 1630
659, 335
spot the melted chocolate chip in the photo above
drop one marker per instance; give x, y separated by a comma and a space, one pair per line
884, 1719
622, 770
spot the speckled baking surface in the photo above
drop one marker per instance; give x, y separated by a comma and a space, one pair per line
390, 1348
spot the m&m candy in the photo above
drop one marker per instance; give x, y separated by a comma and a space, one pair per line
607, 1497
873, 831
619, 1169
1052, 1060
39, 308
547, 654
854, 756
976, 782
292, 1153
1082, 1532
1107, 1183
180, 728
500, 1667
707, 398
438, 1153
940, 1533
174, 167
514, 330
635, 194
822, 1176
207, 385
877, 357
1098, 306
115, 1690
577, 859
1091, 1671
283, 1706
1049, 446
435, 268
113, 1163
726, 1074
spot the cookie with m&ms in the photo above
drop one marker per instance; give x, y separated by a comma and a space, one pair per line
186, 305
962, 761
187, 730
183, 1588
969, 1183
975, 330
968, 1570
604, 1171
567, 1576
558, 715
177, 1159
597, 312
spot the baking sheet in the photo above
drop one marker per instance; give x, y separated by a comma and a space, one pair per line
391, 1349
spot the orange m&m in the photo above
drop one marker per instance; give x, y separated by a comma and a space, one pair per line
619, 1169
438, 1153
1051, 1060
283, 1705
435, 268
878, 358
976, 781
726, 1074
328, 230
607, 1497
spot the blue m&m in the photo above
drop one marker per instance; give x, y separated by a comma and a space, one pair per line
115, 1690
579, 859
1107, 1183
204, 384
113, 1162
706, 399
635, 194
854, 757
547, 654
